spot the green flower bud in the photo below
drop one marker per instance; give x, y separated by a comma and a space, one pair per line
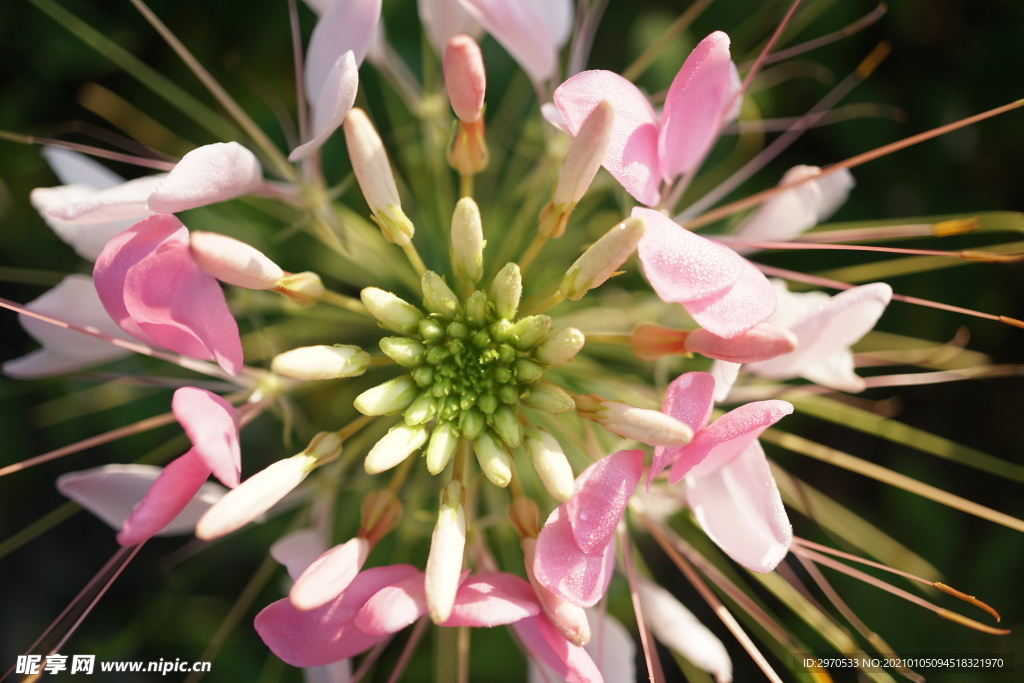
560, 347
438, 297
506, 425
531, 330
602, 259
392, 312
387, 398
544, 396
506, 290
404, 351
443, 442
494, 459
467, 253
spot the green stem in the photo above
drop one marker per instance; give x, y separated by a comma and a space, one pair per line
349, 303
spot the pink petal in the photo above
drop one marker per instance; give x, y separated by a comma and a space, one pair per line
211, 425
347, 25
165, 499
329, 574
761, 342
688, 399
298, 550
521, 29
731, 312
394, 607
681, 266
740, 509
543, 641
493, 599
207, 175
152, 288
111, 492
632, 156
825, 336
602, 493
718, 444
695, 106
443, 20
565, 570
326, 634
332, 104
74, 300
123, 202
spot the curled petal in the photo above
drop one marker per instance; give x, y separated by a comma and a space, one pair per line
332, 104
165, 499
347, 25
151, 287
726, 438
111, 492
632, 156
328, 633
521, 28
492, 599
331, 573
207, 175
211, 425
688, 399
74, 300
568, 572
695, 106
602, 493
740, 509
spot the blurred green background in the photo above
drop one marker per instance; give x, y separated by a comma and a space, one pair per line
950, 59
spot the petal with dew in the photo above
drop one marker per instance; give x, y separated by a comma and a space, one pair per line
744, 304
111, 492
689, 399
521, 28
491, 599
740, 509
165, 499
695, 106
331, 105
207, 175
600, 499
715, 446
632, 156
560, 566
74, 300
347, 25
327, 634
212, 426
329, 574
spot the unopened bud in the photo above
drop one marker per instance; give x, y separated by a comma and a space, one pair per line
447, 545
586, 153
387, 398
321, 362
422, 410
261, 491
506, 290
506, 425
527, 371
551, 464
560, 347
467, 252
761, 342
406, 352
530, 330
465, 77
395, 447
548, 397
471, 422
443, 442
232, 261
602, 259
651, 427
392, 312
494, 459
373, 172
304, 288
438, 297
476, 308
380, 514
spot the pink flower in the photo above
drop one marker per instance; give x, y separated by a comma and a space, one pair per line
727, 482
575, 554
645, 149
152, 287
723, 292
171, 504
380, 602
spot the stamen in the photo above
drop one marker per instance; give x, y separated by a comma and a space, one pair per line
143, 162
654, 670
966, 254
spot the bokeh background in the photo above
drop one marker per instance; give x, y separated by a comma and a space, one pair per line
950, 59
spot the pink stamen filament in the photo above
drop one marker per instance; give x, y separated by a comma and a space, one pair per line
968, 254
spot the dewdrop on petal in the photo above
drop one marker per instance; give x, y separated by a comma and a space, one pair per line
467, 252
321, 362
377, 182
602, 259
394, 447
447, 545
233, 262
260, 492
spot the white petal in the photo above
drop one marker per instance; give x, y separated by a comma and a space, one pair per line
725, 374
87, 239
445, 19
74, 168
112, 491
346, 25
297, 550
207, 175
557, 16
338, 672
74, 300
611, 647
332, 104
677, 629
122, 202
